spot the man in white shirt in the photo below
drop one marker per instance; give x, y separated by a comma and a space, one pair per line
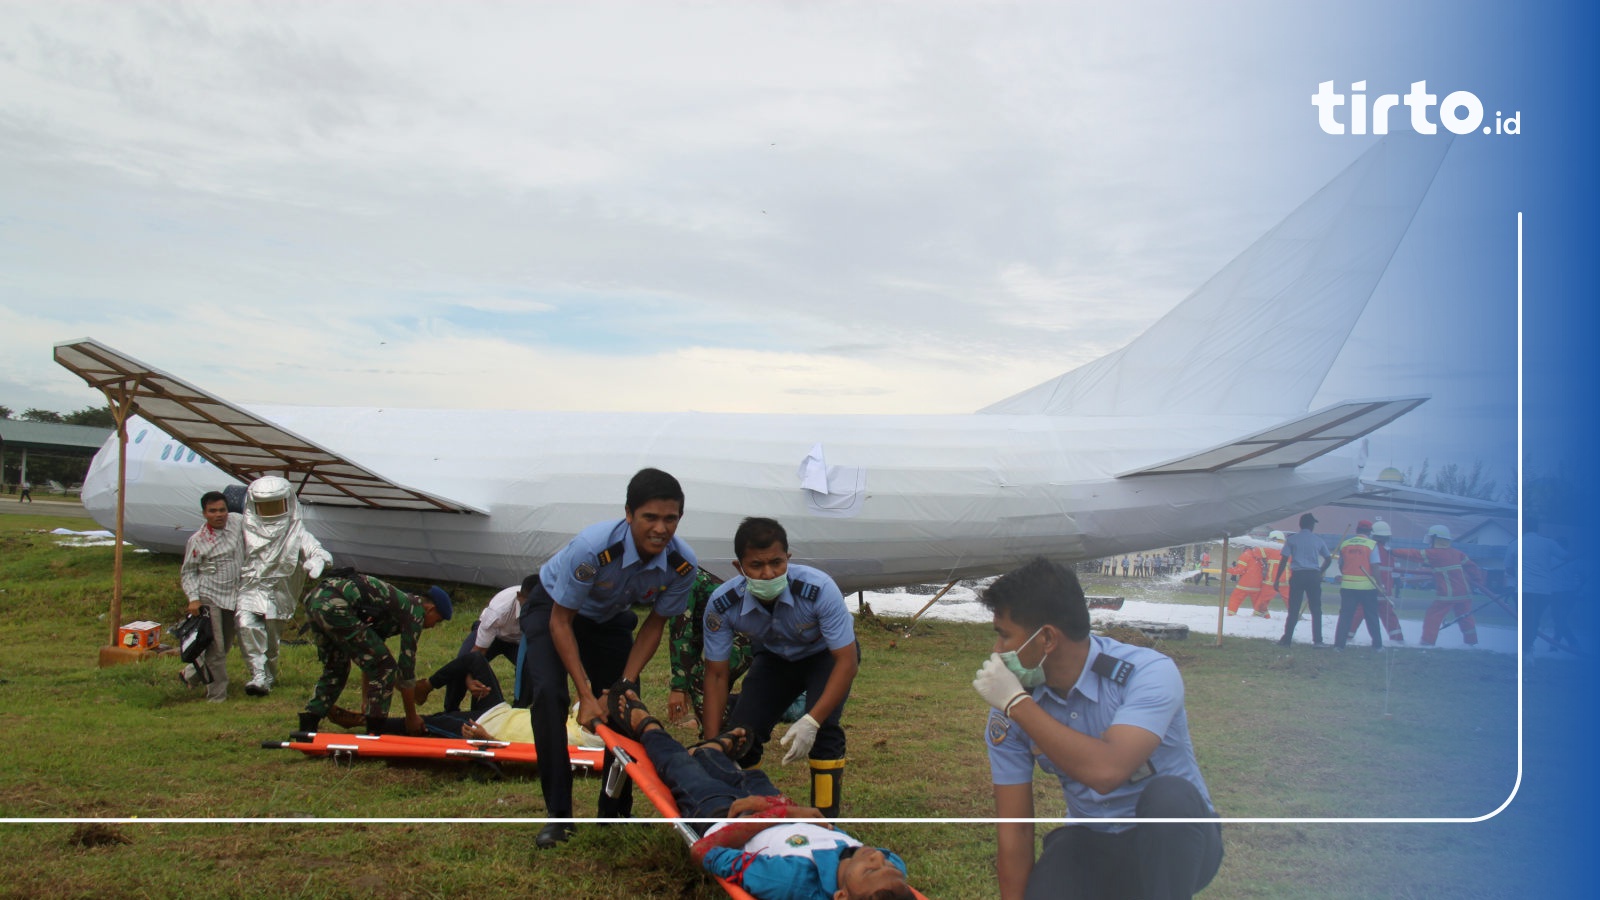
495, 633
210, 579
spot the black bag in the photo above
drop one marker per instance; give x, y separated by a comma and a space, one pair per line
194, 635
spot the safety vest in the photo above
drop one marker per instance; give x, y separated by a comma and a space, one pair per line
1355, 564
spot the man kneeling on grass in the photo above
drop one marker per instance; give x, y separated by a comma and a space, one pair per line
1107, 720
780, 850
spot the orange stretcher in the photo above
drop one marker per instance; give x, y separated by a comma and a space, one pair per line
398, 746
630, 755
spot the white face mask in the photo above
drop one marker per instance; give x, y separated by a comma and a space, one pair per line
1030, 677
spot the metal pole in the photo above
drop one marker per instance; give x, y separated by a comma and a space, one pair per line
1222, 587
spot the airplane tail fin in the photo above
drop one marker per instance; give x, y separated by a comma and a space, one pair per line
1277, 315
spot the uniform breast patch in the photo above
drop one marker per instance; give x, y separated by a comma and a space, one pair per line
797, 840
585, 572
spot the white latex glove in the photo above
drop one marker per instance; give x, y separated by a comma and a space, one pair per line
799, 738
314, 567
995, 683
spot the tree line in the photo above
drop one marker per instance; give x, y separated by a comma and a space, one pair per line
1453, 478
43, 467
98, 416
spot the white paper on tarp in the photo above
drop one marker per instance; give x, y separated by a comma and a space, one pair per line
814, 471
1276, 316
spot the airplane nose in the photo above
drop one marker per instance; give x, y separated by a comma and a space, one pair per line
99, 492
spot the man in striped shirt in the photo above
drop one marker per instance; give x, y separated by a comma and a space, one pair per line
210, 579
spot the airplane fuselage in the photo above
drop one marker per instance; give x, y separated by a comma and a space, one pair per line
944, 496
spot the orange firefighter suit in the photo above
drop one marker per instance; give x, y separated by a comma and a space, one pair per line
1454, 577
1256, 568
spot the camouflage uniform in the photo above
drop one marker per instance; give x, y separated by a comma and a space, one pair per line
347, 628
688, 663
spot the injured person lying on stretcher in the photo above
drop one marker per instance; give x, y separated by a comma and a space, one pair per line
489, 718
775, 848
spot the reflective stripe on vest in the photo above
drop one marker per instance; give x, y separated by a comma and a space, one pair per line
1355, 564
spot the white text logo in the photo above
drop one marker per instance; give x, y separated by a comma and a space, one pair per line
1460, 112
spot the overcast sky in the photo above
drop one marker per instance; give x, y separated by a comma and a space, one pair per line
895, 207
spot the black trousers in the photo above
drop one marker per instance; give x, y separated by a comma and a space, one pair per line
1145, 862
1305, 585
1349, 601
456, 690
1560, 606
771, 685
453, 674
603, 648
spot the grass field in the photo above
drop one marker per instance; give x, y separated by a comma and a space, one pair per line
1298, 733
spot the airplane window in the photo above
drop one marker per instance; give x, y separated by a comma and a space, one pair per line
191, 456
166, 451
142, 432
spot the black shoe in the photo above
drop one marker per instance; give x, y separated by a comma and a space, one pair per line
1283, 642
1320, 645
553, 834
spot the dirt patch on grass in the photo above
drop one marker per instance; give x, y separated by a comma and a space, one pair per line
96, 834
1128, 635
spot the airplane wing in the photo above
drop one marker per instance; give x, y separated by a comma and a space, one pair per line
1294, 442
1383, 495
238, 442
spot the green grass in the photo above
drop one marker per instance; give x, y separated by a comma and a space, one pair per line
1279, 733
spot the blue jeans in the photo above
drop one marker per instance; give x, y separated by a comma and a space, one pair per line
706, 783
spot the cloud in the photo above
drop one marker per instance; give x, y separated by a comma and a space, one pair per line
873, 208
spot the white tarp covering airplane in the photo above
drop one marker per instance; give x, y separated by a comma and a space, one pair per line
1167, 441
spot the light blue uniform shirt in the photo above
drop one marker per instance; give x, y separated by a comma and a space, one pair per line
808, 618
1151, 698
1541, 557
577, 578
1306, 549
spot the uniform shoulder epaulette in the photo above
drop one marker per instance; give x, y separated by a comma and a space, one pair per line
1111, 668
608, 554
804, 590
677, 563
721, 602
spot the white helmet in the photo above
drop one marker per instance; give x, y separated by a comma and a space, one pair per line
1439, 531
1276, 536
1381, 528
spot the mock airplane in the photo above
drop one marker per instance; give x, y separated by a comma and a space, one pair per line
1170, 440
